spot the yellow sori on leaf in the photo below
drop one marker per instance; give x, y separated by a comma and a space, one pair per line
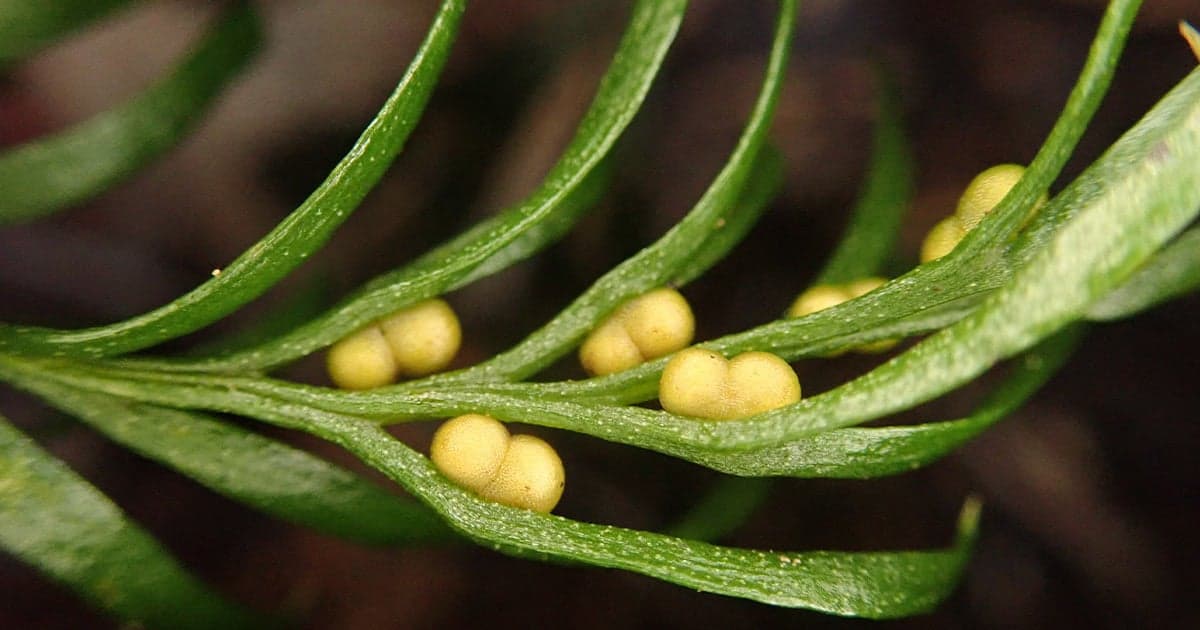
703, 384
823, 296
476, 452
652, 325
414, 341
982, 195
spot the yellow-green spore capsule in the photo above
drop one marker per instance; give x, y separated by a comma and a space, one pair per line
423, 337
361, 360
531, 476
817, 298
703, 384
985, 192
469, 449
942, 239
760, 382
647, 327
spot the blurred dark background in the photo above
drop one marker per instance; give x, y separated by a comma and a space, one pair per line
1092, 491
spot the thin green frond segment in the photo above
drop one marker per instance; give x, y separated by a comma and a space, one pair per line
1132, 201
560, 198
872, 584
868, 584
1085, 98
27, 26
286, 246
883, 201
60, 524
265, 474
704, 236
1172, 273
52, 173
864, 453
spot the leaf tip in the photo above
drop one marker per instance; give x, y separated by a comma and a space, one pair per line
968, 518
1191, 36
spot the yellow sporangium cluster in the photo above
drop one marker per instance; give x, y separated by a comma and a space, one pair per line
982, 195
649, 326
476, 452
415, 341
703, 384
823, 296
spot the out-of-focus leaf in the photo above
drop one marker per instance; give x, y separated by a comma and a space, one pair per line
276, 478
59, 523
52, 173
28, 25
289, 244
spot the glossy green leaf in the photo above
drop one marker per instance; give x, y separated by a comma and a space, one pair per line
266, 474
863, 453
868, 242
883, 200
1003, 221
59, 523
557, 200
866, 584
286, 246
54, 172
1171, 273
1133, 200
26, 26
700, 239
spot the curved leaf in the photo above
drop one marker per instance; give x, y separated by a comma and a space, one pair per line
703, 237
1133, 200
866, 584
263, 473
286, 246
66, 528
26, 26
864, 453
651, 30
50, 173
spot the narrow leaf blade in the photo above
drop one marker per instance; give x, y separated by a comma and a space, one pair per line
62, 525
286, 246
266, 474
51, 173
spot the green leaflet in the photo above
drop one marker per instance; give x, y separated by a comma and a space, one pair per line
286, 246
864, 453
651, 30
263, 473
884, 197
704, 236
882, 584
67, 529
1133, 200
26, 26
698, 241
51, 173
1002, 222
862, 251
870, 584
